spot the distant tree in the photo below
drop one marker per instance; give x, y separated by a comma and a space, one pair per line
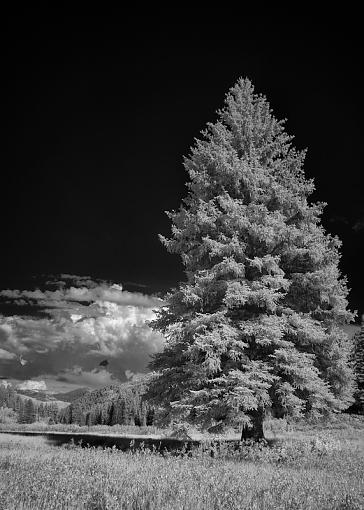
27, 412
17, 404
114, 413
97, 416
138, 418
7, 396
3, 395
7, 415
76, 414
143, 414
128, 413
41, 411
121, 411
36, 409
88, 419
256, 326
106, 410
111, 414
21, 411
149, 419
65, 415
30, 410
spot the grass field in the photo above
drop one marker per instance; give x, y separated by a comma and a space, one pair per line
310, 467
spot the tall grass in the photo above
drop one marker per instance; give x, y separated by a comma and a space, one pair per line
322, 471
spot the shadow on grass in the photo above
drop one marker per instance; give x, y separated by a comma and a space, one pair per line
161, 445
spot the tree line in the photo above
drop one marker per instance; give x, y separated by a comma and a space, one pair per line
123, 404
27, 410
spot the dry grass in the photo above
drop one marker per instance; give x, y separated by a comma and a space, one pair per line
310, 468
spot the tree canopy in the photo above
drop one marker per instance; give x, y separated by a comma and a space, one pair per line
256, 324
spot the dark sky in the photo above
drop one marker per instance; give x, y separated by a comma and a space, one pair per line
102, 109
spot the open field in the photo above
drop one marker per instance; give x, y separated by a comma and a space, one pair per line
310, 467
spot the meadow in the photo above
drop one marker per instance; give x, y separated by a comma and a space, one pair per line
305, 466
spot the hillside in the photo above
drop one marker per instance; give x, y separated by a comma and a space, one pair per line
41, 396
116, 404
71, 396
16, 400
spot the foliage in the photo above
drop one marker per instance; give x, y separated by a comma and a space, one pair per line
256, 326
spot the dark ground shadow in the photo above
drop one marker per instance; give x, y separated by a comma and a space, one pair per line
162, 445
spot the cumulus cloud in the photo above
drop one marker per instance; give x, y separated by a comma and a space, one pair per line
6, 355
32, 385
79, 327
93, 378
132, 376
60, 297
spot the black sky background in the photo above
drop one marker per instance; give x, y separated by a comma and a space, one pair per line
102, 108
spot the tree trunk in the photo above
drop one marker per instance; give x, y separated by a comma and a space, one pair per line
255, 431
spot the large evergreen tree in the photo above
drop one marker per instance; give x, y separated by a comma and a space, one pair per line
256, 325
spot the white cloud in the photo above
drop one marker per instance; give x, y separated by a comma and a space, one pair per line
111, 293
75, 317
83, 326
32, 385
29, 335
6, 354
94, 378
132, 376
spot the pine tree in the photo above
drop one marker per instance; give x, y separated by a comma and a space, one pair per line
53, 412
7, 415
3, 396
149, 419
111, 414
358, 359
121, 407
256, 324
114, 414
28, 414
21, 411
88, 419
7, 395
18, 405
41, 411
